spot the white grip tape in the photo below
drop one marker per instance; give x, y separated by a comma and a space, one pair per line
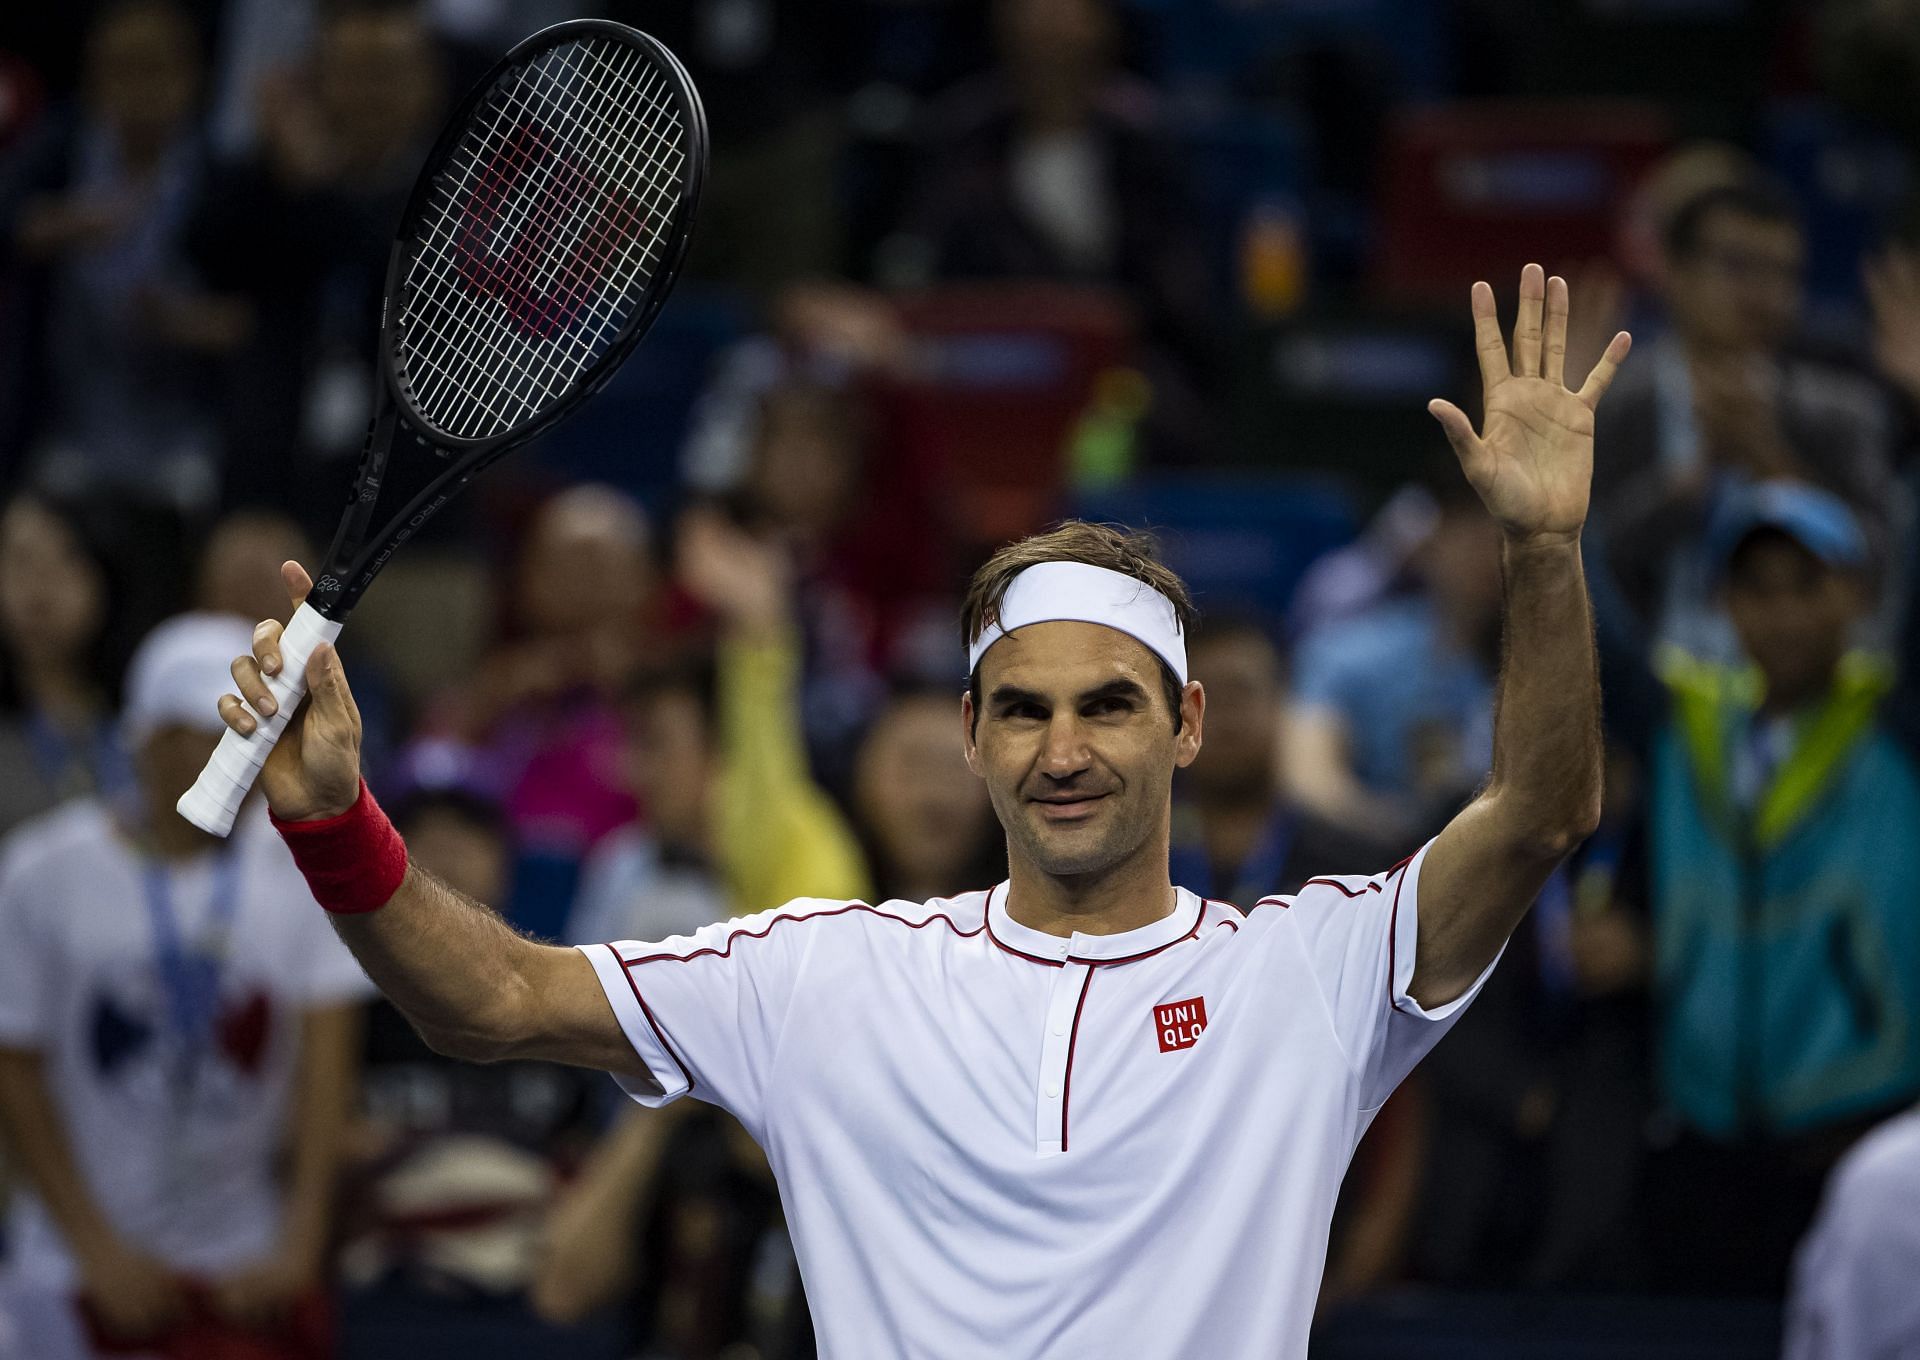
214, 800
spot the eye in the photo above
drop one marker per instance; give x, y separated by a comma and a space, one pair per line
1110, 706
1024, 712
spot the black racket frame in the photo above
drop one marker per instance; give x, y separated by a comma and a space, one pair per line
356, 555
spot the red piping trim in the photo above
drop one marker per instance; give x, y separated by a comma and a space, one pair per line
1073, 1037
631, 964
654, 1024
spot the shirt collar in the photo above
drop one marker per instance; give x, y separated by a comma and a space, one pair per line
1079, 947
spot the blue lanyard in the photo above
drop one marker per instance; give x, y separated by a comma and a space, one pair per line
191, 975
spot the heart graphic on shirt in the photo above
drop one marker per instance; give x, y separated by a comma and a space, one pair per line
242, 1032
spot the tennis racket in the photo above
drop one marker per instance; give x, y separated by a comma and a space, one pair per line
541, 239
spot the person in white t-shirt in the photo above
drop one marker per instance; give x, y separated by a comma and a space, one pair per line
167, 1003
1853, 1295
1084, 1113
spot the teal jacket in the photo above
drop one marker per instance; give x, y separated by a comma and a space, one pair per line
1787, 933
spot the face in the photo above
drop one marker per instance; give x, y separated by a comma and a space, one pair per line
169, 761
585, 561
1067, 35
806, 460
143, 73
670, 755
923, 807
53, 599
469, 858
1740, 288
377, 79
1241, 673
1793, 613
1077, 746
241, 571
1460, 564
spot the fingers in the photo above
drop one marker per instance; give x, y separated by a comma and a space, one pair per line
266, 646
236, 715
297, 581
328, 692
1554, 359
1601, 378
1459, 430
253, 686
1526, 322
1487, 341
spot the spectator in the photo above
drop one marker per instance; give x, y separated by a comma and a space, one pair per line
294, 237
63, 640
736, 823
1723, 400
538, 728
175, 1014
923, 817
1238, 835
1390, 725
461, 1160
240, 565
93, 211
1787, 934
1055, 166
1853, 1295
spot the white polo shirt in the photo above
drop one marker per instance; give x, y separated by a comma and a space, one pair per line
995, 1141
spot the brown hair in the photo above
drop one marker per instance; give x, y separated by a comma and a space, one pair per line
1131, 552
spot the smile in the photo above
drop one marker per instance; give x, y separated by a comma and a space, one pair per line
1069, 810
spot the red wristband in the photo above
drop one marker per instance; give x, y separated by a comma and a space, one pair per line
353, 862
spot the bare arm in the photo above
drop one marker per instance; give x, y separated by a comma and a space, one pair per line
328, 1081
134, 1295
473, 986
1533, 466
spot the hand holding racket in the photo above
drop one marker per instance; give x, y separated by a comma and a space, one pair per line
542, 237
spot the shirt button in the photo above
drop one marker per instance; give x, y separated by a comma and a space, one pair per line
1053, 1090
1064, 948
1060, 1025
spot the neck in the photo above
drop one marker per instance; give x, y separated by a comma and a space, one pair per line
1135, 892
168, 836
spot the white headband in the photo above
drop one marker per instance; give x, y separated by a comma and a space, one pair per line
1074, 592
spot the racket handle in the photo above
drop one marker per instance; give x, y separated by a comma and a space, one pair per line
214, 800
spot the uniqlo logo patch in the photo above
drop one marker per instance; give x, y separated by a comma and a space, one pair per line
1178, 1023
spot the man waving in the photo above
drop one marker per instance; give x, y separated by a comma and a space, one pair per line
1084, 1113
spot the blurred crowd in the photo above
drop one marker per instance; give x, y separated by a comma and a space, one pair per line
961, 268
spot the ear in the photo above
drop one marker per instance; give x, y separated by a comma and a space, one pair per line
1193, 712
966, 735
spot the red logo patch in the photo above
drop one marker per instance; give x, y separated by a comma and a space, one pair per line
1178, 1023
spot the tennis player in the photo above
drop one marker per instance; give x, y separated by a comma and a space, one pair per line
1083, 1113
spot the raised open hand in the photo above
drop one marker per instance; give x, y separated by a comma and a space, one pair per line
1533, 461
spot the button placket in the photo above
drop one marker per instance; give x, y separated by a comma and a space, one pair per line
1056, 1051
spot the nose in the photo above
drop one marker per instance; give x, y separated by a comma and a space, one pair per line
1065, 753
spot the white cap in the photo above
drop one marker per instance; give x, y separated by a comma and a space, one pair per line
1076, 592
179, 673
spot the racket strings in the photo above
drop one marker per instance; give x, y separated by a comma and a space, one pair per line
540, 236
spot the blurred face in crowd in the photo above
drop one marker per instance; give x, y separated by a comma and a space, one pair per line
1078, 747
469, 857
378, 80
806, 459
1055, 51
1794, 614
240, 570
1245, 690
585, 561
168, 762
925, 811
671, 756
1460, 565
1739, 288
143, 73
53, 597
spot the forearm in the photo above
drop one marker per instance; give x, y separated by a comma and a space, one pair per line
329, 1067
37, 1142
1547, 752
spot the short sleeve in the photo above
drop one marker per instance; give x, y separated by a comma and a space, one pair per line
1852, 1292
1361, 937
26, 970
705, 1011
